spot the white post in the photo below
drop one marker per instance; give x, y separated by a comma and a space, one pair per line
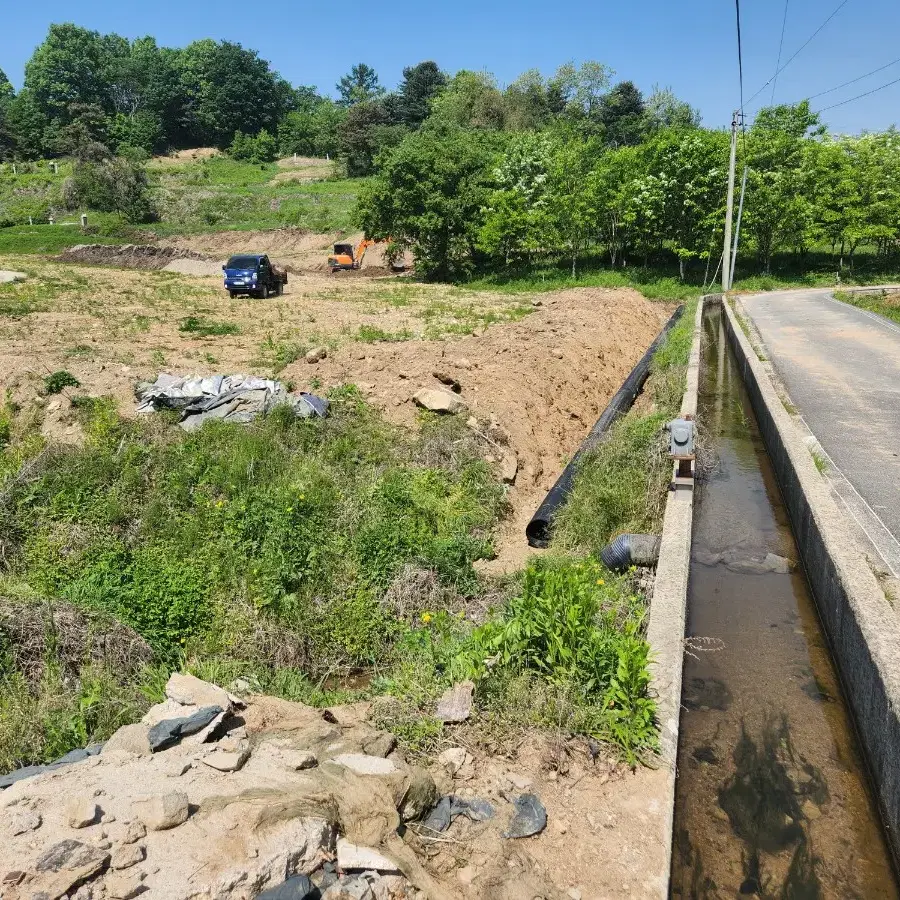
15, 170
52, 220
729, 208
30, 222
83, 221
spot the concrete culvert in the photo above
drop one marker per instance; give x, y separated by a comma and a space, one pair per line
631, 550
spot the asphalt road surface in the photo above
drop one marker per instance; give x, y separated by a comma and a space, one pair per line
841, 368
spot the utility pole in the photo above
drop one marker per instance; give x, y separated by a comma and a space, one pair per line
729, 208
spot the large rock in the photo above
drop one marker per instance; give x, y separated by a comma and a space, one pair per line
165, 811
438, 400
455, 704
364, 764
81, 813
188, 690
8, 277
530, 817
66, 865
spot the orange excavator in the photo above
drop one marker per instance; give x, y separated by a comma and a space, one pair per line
346, 257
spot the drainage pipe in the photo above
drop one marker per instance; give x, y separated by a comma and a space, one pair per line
540, 527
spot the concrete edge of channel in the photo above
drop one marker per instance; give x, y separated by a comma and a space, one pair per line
668, 609
862, 629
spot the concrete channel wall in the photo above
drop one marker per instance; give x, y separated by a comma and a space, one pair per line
665, 631
862, 628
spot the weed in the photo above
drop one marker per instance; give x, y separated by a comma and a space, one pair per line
372, 334
819, 460
58, 381
887, 305
197, 327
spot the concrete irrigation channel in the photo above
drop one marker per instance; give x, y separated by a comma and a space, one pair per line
772, 795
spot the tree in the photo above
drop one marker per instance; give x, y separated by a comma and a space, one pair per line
571, 202
7, 138
365, 132
581, 89
420, 84
470, 100
528, 102
358, 85
622, 114
226, 89
429, 195
664, 110
260, 148
66, 71
109, 183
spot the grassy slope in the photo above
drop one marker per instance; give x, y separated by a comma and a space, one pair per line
887, 305
191, 197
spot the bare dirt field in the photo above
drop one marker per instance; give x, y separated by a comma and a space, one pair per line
534, 372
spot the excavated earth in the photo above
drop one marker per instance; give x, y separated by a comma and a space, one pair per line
270, 790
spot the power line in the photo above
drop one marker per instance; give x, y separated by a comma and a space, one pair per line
860, 96
809, 40
854, 80
780, 49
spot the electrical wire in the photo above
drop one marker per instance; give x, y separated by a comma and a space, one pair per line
809, 40
860, 96
854, 80
780, 49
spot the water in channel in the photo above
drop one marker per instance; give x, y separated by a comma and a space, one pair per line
772, 799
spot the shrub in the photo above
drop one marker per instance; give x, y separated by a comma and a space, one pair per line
57, 381
260, 148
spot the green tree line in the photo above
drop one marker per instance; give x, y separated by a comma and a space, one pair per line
467, 199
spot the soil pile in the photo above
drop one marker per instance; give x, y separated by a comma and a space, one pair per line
130, 256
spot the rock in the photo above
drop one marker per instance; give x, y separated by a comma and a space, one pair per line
297, 760
419, 796
17, 876
177, 766
188, 690
455, 704
65, 865
707, 558
297, 887
556, 353
21, 821
317, 354
472, 423
134, 832
364, 764
449, 381
509, 467
382, 745
530, 817
128, 741
453, 759
520, 782
466, 874
242, 686
438, 400
121, 886
8, 277
166, 811
462, 363
352, 856
349, 889
127, 856
81, 813
227, 760
574, 894
169, 732
777, 564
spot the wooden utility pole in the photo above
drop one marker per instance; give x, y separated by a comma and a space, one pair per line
729, 209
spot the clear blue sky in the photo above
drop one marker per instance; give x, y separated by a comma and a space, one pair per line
686, 44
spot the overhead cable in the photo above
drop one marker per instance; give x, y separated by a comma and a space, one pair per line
780, 49
860, 96
808, 41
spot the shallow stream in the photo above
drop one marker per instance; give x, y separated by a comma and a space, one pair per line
772, 798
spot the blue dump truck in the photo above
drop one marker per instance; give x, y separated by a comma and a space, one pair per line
253, 274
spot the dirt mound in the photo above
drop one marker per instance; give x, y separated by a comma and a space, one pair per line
181, 156
129, 256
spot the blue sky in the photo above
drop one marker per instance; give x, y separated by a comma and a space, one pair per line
686, 44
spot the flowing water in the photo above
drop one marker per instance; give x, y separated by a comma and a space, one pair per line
772, 798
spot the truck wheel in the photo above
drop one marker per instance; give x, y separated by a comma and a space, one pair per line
264, 293
232, 294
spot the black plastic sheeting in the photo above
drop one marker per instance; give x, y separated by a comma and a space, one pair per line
540, 528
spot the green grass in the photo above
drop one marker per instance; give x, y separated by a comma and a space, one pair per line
884, 304
198, 327
371, 334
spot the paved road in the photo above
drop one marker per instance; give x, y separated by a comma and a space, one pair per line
841, 367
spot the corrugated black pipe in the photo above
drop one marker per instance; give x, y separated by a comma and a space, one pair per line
540, 527
629, 550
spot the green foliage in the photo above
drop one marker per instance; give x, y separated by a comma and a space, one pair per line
294, 528
202, 328
57, 381
359, 85
576, 625
261, 148
884, 303
109, 183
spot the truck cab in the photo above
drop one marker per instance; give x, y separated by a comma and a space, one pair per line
253, 274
